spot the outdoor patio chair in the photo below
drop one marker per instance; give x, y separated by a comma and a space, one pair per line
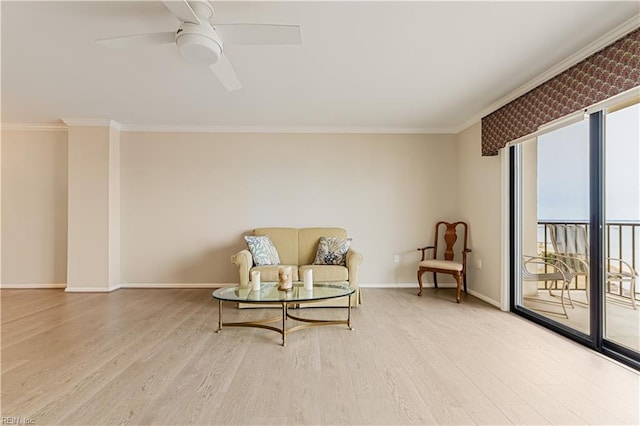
536, 268
571, 246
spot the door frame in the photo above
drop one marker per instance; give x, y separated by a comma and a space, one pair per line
595, 339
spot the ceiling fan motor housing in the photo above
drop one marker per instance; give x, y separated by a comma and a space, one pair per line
199, 43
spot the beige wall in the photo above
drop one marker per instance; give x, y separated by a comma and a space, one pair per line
89, 150
529, 174
114, 208
34, 207
187, 199
479, 198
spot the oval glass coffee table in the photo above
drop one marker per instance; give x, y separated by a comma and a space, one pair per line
270, 295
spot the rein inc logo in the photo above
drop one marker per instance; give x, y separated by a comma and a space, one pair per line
6, 420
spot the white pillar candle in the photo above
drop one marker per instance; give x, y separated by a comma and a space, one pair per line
308, 279
255, 280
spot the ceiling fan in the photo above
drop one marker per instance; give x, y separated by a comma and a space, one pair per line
200, 41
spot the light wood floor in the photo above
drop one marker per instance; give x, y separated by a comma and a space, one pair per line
153, 357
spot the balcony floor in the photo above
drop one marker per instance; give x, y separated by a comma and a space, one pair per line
622, 321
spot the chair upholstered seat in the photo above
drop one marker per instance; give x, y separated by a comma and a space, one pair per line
449, 265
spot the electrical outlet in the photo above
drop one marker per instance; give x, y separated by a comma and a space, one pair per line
396, 258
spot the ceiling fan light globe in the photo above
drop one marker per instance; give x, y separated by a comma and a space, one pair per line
199, 49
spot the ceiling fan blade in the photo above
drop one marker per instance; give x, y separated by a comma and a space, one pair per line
259, 33
140, 40
225, 73
182, 11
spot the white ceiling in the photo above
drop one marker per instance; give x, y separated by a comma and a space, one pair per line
363, 66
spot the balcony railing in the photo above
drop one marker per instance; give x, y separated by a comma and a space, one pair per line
622, 241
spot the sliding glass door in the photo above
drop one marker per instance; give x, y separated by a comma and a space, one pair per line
622, 226
576, 230
554, 217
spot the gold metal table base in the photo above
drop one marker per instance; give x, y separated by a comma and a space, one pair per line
283, 330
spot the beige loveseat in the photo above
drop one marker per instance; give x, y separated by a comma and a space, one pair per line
297, 248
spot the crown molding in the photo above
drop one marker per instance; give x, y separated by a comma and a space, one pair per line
582, 54
91, 122
284, 129
34, 127
226, 129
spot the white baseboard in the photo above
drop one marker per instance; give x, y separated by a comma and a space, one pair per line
217, 285
175, 285
406, 285
32, 286
91, 289
430, 285
112, 288
485, 299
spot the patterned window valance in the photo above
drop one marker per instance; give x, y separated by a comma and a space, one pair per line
606, 73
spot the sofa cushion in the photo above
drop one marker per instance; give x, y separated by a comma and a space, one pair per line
332, 251
286, 242
308, 242
326, 273
262, 250
270, 273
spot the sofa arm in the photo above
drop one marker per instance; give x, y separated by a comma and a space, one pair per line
354, 259
244, 261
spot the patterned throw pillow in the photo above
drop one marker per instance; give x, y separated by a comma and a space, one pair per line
332, 251
262, 250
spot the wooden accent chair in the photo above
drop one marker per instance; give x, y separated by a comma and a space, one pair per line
443, 260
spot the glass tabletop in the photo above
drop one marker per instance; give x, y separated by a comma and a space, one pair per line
269, 293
